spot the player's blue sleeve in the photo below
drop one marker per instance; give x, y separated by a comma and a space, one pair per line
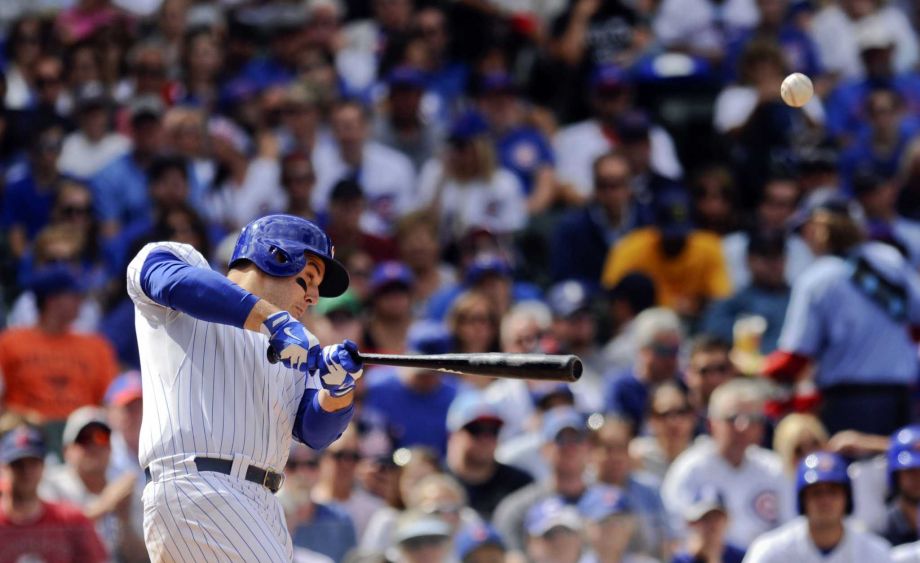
803, 328
317, 427
197, 292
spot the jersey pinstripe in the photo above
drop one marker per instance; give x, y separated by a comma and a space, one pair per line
208, 388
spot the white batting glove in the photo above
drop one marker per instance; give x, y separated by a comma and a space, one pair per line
337, 369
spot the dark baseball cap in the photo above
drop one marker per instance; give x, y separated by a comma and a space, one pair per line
497, 83
22, 442
486, 264
635, 288
55, 279
608, 78
633, 126
469, 125
766, 243
91, 96
406, 77
672, 212
146, 107
391, 274
428, 337
865, 181
567, 298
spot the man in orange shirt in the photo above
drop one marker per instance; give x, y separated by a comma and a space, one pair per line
687, 265
47, 370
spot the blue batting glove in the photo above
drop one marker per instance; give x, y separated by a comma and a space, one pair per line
290, 341
337, 369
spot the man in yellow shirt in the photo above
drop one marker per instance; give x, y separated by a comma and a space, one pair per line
687, 265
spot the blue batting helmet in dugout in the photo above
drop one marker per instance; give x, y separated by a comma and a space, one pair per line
903, 452
822, 467
277, 245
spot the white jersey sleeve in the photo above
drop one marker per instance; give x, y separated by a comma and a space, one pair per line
151, 310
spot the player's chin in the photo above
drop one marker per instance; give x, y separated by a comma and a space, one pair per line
299, 309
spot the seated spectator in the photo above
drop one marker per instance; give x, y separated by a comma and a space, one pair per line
82, 481
321, 528
520, 147
29, 526
124, 409
879, 145
765, 296
878, 199
702, 28
904, 487
401, 124
49, 370
343, 220
626, 300
298, 180
583, 236
707, 521
715, 200
29, 192
578, 146
442, 496
417, 247
671, 423
389, 308
749, 477
610, 523
575, 328
474, 426
387, 178
467, 188
73, 209
473, 325
796, 436
93, 145
554, 533
565, 450
121, 194
686, 265
777, 204
651, 532
337, 485
824, 498
658, 339
709, 367
479, 543
879, 50
420, 538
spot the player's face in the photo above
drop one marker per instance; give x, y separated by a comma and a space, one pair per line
825, 503
296, 293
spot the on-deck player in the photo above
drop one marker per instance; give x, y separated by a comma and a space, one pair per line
218, 417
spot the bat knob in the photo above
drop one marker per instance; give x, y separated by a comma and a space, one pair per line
272, 355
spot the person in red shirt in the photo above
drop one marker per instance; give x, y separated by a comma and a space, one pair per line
31, 529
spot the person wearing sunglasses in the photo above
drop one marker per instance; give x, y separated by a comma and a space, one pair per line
671, 424
420, 538
474, 426
751, 478
315, 526
83, 482
709, 367
658, 336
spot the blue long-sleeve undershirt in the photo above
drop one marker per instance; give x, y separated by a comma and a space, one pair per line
207, 295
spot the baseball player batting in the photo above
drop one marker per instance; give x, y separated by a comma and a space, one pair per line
218, 417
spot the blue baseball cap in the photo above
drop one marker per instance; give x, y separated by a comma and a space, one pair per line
497, 82
608, 78
543, 390
551, 513
672, 212
22, 442
560, 418
569, 297
467, 126
391, 273
705, 500
55, 280
406, 77
602, 501
429, 337
486, 264
124, 389
472, 537
469, 407
633, 126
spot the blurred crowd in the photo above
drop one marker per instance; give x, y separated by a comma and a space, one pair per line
616, 179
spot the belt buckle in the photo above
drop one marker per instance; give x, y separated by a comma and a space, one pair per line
265, 480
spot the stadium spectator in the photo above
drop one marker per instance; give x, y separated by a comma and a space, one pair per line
671, 423
584, 235
479, 543
765, 296
348, 204
29, 526
90, 148
124, 410
297, 180
750, 477
904, 487
565, 449
686, 265
420, 538
473, 324
554, 532
574, 330
626, 300
707, 521
417, 247
474, 426
714, 200
795, 437
82, 481
658, 339
389, 308
402, 125
49, 370
877, 197
709, 367
610, 522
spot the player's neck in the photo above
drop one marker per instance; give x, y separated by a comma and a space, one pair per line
826, 536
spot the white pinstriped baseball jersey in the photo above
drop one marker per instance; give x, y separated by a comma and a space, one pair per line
208, 388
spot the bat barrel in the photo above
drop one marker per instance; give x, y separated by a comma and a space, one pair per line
566, 368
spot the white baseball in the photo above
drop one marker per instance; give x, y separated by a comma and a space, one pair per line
797, 89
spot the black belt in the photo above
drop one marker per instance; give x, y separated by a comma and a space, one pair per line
268, 479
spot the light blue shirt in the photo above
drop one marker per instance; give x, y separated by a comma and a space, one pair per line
852, 339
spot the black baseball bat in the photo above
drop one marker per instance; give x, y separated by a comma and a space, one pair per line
540, 367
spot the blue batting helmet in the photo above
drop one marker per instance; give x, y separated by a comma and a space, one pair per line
277, 245
822, 467
903, 452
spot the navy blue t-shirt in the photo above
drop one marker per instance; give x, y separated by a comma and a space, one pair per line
330, 532
27, 206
